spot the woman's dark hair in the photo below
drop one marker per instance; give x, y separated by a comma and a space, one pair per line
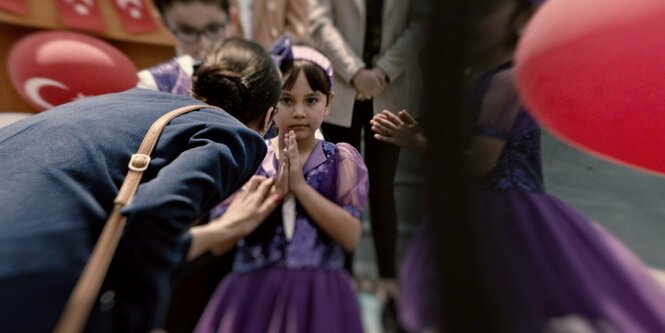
240, 77
163, 5
316, 77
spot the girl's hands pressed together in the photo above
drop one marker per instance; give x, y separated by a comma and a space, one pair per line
296, 177
282, 177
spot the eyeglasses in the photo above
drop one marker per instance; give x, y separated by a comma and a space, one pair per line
213, 32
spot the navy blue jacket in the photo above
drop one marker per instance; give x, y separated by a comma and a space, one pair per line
59, 173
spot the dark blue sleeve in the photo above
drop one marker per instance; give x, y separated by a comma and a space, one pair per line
216, 161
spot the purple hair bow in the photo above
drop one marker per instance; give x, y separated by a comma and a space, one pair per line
281, 52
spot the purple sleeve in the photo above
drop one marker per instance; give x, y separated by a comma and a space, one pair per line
499, 108
352, 180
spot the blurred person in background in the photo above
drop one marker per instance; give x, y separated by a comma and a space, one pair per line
195, 24
264, 21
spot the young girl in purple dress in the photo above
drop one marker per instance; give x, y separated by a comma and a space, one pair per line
549, 268
289, 273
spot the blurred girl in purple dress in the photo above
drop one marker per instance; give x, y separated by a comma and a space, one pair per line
289, 273
548, 268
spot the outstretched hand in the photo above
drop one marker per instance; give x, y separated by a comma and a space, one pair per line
399, 129
251, 206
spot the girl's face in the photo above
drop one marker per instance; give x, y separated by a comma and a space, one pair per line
301, 109
493, 27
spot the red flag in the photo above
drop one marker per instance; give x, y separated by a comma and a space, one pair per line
15, 6
81, 14
135, 16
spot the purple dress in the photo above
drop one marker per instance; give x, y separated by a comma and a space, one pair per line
551, 269
417, 308
173, 76
296, 285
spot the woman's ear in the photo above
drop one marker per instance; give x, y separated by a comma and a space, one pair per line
268, 119
261, 125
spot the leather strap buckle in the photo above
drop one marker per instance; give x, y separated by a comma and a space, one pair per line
139, 162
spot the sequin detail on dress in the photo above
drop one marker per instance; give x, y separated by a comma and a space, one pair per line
310, 246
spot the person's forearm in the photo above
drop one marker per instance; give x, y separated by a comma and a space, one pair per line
211, 237
339, 224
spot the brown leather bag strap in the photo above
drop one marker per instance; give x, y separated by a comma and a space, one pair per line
82, 298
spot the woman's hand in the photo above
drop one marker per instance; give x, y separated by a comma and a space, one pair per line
399, 129
249, 209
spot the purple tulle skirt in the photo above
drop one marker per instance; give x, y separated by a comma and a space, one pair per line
418, 305
552, 262
547, 265
280, 299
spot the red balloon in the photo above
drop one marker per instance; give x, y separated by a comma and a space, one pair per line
593, 73
55, 67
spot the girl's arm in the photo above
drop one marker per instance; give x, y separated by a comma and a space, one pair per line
256, 200
338, 223
484, 155
210, 235
499, 109
331, 217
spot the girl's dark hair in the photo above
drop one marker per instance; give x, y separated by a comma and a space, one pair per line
522, 7
316, 77
240, 77
163, 5
480, 8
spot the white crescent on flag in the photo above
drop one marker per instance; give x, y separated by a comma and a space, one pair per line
33, 85
83, 7
134, 12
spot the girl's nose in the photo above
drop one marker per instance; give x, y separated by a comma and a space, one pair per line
299, 111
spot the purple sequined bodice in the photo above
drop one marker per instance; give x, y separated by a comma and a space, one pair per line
519, 166
310, 246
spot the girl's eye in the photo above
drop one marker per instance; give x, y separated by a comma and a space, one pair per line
285, 100
311, 100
